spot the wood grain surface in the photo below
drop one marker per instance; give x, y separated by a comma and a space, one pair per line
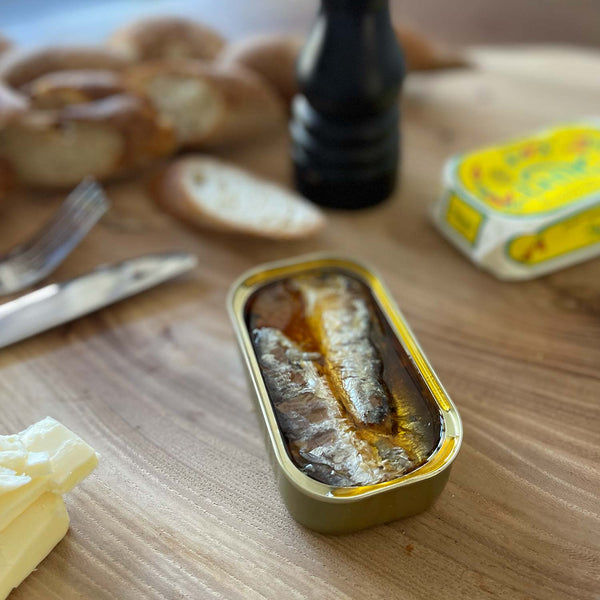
184, 503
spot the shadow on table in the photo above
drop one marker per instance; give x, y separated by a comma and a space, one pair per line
105, 322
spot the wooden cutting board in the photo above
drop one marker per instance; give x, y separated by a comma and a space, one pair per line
184, 504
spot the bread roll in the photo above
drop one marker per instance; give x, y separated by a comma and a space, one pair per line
166, 37
61, 88
102, 139
273, 56
18, 67
207, 193
12, 104
208, 104
421, 54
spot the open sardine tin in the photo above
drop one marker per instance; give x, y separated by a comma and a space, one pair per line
406, 452
528, 207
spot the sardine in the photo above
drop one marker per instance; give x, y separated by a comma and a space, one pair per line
321, 439
339, 316
393, 454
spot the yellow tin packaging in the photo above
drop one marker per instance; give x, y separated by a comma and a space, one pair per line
526, 208
327, 508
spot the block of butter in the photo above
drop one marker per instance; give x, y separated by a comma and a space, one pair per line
528, 207
26, 541
37, 466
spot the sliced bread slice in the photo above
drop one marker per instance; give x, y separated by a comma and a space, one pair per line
208, 193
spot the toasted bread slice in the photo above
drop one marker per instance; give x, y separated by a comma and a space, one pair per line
211, 194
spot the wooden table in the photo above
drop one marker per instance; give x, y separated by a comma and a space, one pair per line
184, 504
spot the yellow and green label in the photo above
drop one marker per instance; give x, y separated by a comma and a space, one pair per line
533, 176
573, 233
463, 218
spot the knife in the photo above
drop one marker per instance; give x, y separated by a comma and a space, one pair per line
59, 303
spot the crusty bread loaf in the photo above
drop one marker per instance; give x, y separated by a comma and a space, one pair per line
102, 139
423, 55
61, 88
208, 104
166, 37
273, 56
18, 67
208, 193
12, 104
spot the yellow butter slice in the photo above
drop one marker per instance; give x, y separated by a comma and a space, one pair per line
71, 459
72, 463
11, 442
13, 459
36, 467
34, 464
10, 480
37, 464
13, 503
45, 435
30, 538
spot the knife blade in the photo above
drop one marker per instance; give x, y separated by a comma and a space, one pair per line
59, 303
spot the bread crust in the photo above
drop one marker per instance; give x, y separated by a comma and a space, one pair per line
170, 191
166, 37
146, 136
272, 56
12, 104
421, 54
245, 104
18, 67
61, 88
131, 133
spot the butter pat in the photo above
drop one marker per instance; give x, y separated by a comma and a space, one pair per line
11, 442
13, 503
37, 464
13, 459
33, 464
36, 467
11, 480
30, 538
71, 459
528, 207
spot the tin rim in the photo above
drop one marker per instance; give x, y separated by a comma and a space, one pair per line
451, 425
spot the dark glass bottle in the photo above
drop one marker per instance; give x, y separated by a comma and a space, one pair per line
345, 121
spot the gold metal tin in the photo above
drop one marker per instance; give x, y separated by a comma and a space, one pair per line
316, 505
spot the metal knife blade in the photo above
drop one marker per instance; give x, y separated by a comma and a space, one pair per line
59, 303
